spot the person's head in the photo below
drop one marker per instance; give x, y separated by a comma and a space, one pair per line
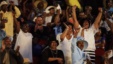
53, 43
76, 30
70, 25
4, 5
40, 5
52, 10
89, 8
25, 27
110, 3
39, 20
85, 23
81, 43
56, 19
7, 41
82, 15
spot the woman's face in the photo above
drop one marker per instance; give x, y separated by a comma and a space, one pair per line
25, 28
85, 24
53, 45
70, 29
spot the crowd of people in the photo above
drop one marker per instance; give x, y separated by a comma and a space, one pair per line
56, 32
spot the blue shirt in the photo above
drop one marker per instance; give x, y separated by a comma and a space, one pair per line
78, 56
2, 35
58, 29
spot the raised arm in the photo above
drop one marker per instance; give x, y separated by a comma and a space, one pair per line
76, 23
67, 14
16, 24
17, 11
63, 35
98, 18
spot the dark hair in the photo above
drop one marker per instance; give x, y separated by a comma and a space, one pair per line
68, 23
53, 18
24, 23
51, 8
83, 20
5, 38
103, 30
52, 39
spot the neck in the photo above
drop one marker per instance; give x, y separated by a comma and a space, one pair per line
53, 48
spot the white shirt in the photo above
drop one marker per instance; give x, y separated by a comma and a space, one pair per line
89, 37
24, 40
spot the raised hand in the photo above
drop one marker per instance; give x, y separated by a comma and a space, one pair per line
17, 49
66, 26
74, 7
100, 9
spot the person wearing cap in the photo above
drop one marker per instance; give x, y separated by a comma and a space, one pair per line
51, 55
8, 55
50, 11
40, 6
78, 47
7, 15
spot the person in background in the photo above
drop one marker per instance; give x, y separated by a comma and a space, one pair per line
51, 55
7, 15
40, 38
24, 39
2, 32
89, 31
78, 47
8, 55
65, 39
100, 42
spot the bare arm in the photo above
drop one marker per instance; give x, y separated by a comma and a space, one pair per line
98, 19
67, 15
17, 24
76, 23
63, 35
82, 33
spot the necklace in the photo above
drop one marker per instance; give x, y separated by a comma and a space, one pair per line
54, 53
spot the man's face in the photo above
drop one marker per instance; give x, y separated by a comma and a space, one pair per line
4, 7
39, 21
25, 28
80, 44
8, 43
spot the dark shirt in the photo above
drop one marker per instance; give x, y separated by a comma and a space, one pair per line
47, 53
13, 57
